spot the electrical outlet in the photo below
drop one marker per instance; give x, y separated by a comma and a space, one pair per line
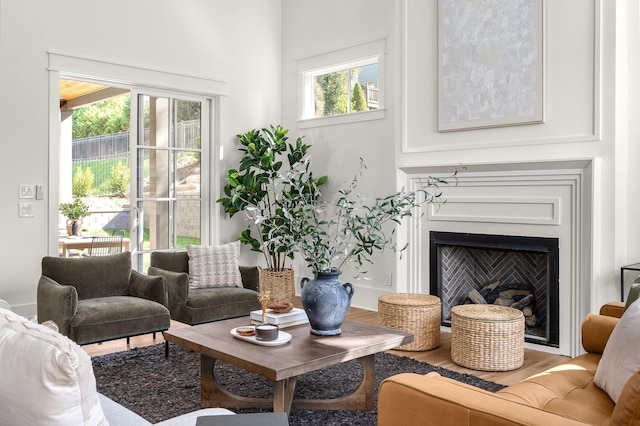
388, 279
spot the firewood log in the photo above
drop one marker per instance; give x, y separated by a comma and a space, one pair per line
476, 297
527, 301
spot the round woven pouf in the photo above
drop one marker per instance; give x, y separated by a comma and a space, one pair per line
414, 313
487, 337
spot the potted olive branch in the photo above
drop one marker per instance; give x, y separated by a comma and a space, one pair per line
330, 234
261, 186
348, 230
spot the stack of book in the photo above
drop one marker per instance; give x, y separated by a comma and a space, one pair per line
294, 317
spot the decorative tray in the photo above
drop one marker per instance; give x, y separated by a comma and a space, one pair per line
283, 337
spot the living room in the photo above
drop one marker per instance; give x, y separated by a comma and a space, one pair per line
251, 53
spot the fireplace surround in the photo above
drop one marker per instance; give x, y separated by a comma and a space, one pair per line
465, 263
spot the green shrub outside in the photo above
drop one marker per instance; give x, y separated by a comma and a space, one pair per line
82, 182
119, 180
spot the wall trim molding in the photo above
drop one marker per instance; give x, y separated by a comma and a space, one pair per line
594, 134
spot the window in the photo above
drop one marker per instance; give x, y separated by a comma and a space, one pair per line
342, 86
332, 91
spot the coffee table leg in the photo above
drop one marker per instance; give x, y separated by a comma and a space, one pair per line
283, 391
359, 399
213, 394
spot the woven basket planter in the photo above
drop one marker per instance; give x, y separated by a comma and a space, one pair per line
280, 284
487, 337
414, 313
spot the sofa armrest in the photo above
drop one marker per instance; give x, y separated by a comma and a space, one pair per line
413, 399
148, 287
117, 414
250, 277
177, 285
596, 330
57, 303
612, 309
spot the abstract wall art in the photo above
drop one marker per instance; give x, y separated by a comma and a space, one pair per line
490, 63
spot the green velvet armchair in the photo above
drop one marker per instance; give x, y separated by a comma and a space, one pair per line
199, 305
95, 299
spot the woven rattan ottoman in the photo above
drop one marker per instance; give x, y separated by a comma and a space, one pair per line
487, 337
414, 313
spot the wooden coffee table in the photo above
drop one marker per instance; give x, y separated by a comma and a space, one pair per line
284, 364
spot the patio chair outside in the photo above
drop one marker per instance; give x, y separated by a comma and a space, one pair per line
105, 246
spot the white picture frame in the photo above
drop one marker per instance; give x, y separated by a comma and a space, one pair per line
490, 63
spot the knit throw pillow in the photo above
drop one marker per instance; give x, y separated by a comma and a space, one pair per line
214, 266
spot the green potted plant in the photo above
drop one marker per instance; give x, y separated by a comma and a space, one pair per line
74, 212
348, 230
264, 189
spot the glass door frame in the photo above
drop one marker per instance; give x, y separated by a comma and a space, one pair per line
207, 113
130, 77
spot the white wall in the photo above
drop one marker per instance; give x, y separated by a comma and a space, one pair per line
589, 112
238, 42
314, 28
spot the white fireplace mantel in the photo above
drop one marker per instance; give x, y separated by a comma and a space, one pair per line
550, 199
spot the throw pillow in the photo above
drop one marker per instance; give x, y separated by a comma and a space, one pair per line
628, 404
621, 357
45, 378
214, 266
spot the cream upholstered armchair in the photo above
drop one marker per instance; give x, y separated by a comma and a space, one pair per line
94, 299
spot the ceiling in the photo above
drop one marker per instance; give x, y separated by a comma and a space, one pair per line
76, 94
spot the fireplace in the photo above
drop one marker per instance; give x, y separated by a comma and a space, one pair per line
517, 271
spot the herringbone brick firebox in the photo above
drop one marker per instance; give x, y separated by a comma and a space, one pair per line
516, 271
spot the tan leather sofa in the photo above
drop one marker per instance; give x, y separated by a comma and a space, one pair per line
563, 395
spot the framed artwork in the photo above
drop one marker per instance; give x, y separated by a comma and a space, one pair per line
490, 63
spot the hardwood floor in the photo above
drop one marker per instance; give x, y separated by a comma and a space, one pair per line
534, 361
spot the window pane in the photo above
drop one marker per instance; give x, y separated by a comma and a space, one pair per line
187, 214
185, 124
154, 172
156, 224
331, 92
187, 173
368, 79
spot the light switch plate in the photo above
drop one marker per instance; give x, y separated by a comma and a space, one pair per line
26, 191
25, 209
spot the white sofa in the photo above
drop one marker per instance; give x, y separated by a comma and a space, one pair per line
47, 379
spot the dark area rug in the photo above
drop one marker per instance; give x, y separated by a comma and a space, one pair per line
157, 388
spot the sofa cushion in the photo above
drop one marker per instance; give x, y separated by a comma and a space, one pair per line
214, 266
176, 261
213, 304
98, 276
621, 356
45, 378
106, 318
567, 390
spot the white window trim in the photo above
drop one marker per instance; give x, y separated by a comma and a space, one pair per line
348, 57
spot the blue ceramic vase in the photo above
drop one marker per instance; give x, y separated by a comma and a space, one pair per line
326, 301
